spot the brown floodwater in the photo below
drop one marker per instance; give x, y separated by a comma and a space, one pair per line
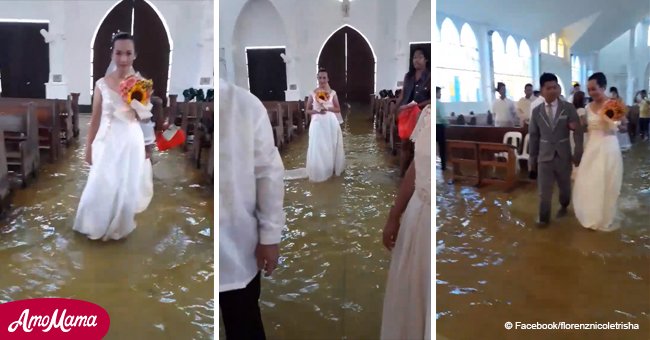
155, 284
333, 267
494, 265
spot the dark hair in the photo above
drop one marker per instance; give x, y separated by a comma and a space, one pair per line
536, 93
613, 89
411, 72
321, 70
600, 79
121, 36
528, 85
545, 78
576, 84
438, 88
579, 100
500, 85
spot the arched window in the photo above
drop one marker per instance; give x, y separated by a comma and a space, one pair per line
514, 67
560, 48
552, 44
543, 45
576, 68
459, 67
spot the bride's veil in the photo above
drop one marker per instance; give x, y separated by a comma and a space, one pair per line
112, 67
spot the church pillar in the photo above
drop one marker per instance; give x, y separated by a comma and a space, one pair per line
56, 87
206, 51
631, 74
484, 37
537, 70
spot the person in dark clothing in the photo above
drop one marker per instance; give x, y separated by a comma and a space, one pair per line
416, 91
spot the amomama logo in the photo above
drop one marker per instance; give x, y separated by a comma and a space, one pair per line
53, 318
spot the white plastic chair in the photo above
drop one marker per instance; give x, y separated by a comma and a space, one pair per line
513, 138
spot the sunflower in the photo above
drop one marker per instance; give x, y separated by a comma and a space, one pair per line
323, 95
613, 110
140, 91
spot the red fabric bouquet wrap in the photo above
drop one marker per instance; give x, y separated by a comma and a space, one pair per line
406, 121
170, 138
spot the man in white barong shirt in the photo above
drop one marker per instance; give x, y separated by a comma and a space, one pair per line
523, 106
251, 216
504, 109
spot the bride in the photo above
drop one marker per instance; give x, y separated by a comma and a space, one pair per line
325, 154
120, 182
601, 166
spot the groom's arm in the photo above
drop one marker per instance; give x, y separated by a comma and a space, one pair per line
533, 142
578, 134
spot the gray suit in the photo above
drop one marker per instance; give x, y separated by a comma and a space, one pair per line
550, 153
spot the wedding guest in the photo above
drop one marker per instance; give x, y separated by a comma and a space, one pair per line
415, 92
644, 114
441, 128
523, 106
251, 217
613, 93
504, 109
576, 89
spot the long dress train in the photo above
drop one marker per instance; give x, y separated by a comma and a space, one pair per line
120, 181
325, 153
599, 177
407, 303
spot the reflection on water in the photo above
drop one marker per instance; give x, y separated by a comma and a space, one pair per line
494, 265
330, 283
157, 283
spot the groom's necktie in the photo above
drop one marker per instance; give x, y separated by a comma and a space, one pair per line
549, 112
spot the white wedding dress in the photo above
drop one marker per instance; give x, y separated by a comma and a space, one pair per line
407, 302
599, 177
325, 153
120, 181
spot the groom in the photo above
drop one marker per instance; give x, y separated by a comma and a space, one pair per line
550, 150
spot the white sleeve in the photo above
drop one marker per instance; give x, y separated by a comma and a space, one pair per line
269, 174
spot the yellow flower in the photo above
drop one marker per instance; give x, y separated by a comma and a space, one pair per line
140, 91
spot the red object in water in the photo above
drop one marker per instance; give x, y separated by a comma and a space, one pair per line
170, 139
406, 121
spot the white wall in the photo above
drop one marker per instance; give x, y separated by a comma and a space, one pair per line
561, 67
305, 26
77, 20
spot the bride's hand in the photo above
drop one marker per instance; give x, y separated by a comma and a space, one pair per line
89, 155
390, 233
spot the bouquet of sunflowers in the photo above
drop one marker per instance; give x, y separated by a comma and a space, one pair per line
136, 93
322, 98
613, 111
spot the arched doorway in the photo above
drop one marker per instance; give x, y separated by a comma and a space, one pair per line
350, 62
153, 44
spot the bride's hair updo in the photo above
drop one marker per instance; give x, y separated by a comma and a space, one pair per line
121, 36
321, 70
600, 79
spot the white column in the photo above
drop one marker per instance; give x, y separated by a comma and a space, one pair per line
537, 71
56, 88
631, 74
206, 49
485, 57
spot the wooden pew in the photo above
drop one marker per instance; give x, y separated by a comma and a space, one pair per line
479, 157
65, 120
47, 113
5, 185
74, 97
274, 111
463, 155
487, 134
188, 112
487, 162
21, 141
203, 133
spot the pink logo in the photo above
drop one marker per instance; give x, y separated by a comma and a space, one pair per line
53, 318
